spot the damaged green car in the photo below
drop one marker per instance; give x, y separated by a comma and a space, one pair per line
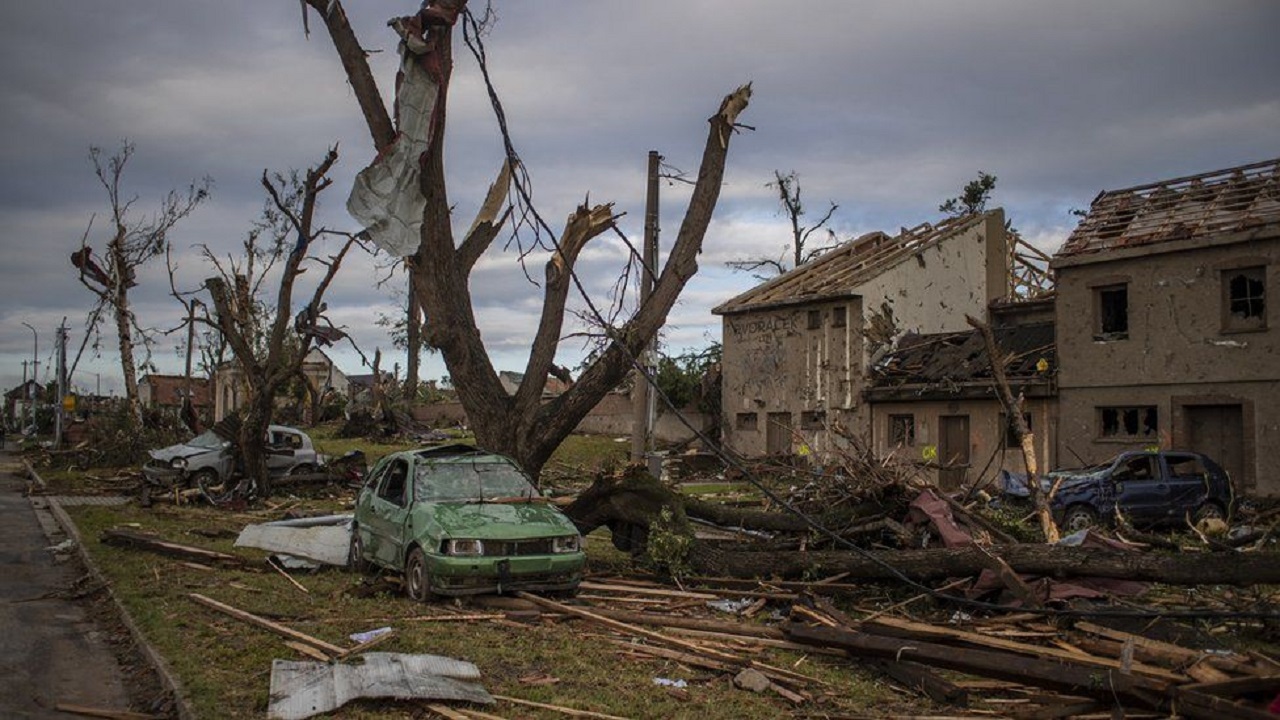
456, 520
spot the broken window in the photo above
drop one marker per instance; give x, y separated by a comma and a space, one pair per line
815, 319
813, 420
746, 421
393, 483
902, 430
1010, 436
1139, 468
1128, 422
839, 316
1245, 298
1112, 312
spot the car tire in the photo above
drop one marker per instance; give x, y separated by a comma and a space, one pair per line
1209, 511
214, 489
1079, 517
416, 582
303, 469
355, 553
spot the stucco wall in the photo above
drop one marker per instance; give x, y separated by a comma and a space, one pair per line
774, 362
1177, 349
987, 451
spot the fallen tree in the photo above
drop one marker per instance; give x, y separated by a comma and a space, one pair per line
1054, 561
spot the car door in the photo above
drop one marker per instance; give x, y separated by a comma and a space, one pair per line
387, 514
281, 445
1141, 489
1188, 483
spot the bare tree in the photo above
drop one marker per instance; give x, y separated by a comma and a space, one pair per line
267, 356
411, 158
132, 244
801, 251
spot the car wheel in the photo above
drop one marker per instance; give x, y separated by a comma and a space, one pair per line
415, 576
1079, 517
214, 489
355, 554
303, 469
1209, 511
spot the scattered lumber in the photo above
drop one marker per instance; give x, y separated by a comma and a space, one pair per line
103, 712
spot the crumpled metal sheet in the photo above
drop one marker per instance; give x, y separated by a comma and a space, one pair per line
325, 544
301, 689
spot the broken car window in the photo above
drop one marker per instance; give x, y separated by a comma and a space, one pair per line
469, 482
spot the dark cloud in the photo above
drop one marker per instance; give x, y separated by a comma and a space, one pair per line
885, 108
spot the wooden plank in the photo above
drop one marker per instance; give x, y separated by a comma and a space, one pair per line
898, 628
307, 650
1070, 676
1238, 686
1200, 706
728, 627
266, 624
103, 712
1176, 654
131, 539
657, 592
571, 712
922, 679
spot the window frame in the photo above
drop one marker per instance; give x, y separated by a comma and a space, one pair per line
815, 320
746, 422
1100, 313
1140, 413
897, 439
1231, 322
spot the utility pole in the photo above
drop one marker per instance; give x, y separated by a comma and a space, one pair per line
642, 397
62, 384
35, 372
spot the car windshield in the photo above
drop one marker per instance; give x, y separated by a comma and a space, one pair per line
469, 482
207, 439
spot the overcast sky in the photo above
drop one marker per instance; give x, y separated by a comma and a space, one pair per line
883, 108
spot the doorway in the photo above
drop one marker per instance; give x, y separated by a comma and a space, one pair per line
777, 435
1218, 431
953, 450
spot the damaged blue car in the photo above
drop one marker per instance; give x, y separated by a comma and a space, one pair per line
1149, 488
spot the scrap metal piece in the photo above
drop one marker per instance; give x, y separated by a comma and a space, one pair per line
326, 543
304, 689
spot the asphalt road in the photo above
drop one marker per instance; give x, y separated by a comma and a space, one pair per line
51, 650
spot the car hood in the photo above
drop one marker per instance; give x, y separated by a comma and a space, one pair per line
178, 451
497, 521
1016, 483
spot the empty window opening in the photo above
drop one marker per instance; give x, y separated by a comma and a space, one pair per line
813, 420
1129, 422
1113, 312
902, 430
746, 421
1246, 300
815, 319
839, 316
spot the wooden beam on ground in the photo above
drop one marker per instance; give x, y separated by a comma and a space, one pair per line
131, 539
571, 712
924, 680
1073, 677
266, 624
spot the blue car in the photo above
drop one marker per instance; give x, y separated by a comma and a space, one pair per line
1149, 487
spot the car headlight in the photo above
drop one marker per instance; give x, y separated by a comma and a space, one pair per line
178, 463
567, 544
464, 547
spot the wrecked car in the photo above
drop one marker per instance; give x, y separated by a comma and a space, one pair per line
457, 520
1149, 487
209, 460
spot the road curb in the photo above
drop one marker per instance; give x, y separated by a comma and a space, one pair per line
167, 677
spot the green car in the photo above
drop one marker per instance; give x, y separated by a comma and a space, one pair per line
456, 520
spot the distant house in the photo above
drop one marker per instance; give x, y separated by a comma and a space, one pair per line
166, 392
798, 349
1167, 322
933, 397
318, 368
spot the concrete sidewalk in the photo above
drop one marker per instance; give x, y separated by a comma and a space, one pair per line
51, 650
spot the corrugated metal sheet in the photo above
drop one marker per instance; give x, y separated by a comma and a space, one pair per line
304, 689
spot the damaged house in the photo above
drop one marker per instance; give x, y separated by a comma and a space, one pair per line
798, 349
1168, 331
933, 398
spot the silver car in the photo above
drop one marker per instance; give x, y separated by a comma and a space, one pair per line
208, 460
